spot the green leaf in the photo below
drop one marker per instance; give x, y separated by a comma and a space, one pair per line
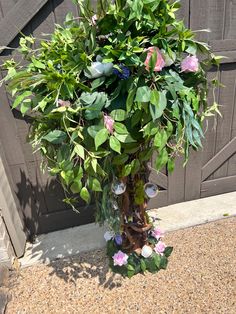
143, 94
94, 164
135, 166
120, 128
38, 64
126, 170
130, 267
98, 82
168, 251
95, 185
157, 109
130, 273
79, 150
146, 154
115, 144
154, 98
55, 137
120, 160
157, 260
68, 176
130, 99
124, 138
119, 115
164, 262
171, 165
84, 194
143, 265
25, 106
101, 137
76, 186
160, 139
20, 98
161, 159
94, 129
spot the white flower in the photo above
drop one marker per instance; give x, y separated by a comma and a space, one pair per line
98, 69
95, 70
108, 235
108, 68
146, 251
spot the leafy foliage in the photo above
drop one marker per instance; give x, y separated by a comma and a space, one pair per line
68, 98
136, 263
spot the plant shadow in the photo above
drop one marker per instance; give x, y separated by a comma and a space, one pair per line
89, 265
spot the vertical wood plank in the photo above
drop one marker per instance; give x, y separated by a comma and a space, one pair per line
44, 21
230, 20
193, 176
207, 14
9, 135
232, 161
209, 142
226, 100
9, 208
176, 182
184, 11
61, 8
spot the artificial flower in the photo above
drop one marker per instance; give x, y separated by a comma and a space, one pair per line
108, 235
109, 123
157, 233
98, 69
120, 258
123, 72
160, 247
160, 62
118, 239
190, 64
63, 103
146, 251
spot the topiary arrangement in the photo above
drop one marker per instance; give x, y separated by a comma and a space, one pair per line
106, 91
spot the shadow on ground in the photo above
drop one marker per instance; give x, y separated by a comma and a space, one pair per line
93, 264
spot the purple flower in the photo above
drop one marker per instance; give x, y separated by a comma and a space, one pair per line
157, 233
160, 247
120, 258
123, 73
190, 64
118, 239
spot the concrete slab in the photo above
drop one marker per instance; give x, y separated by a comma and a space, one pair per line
72, 241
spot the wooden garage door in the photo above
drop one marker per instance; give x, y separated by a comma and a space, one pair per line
213, 170
210, 172
39, 198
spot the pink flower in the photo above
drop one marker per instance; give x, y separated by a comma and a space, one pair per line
160, 63
160, 247
94, 19
190, 64
120, 258
63, 103
109, 123
157, 233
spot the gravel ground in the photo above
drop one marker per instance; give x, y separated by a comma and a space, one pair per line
201, 278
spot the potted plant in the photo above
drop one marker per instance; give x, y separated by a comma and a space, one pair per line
106, 91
